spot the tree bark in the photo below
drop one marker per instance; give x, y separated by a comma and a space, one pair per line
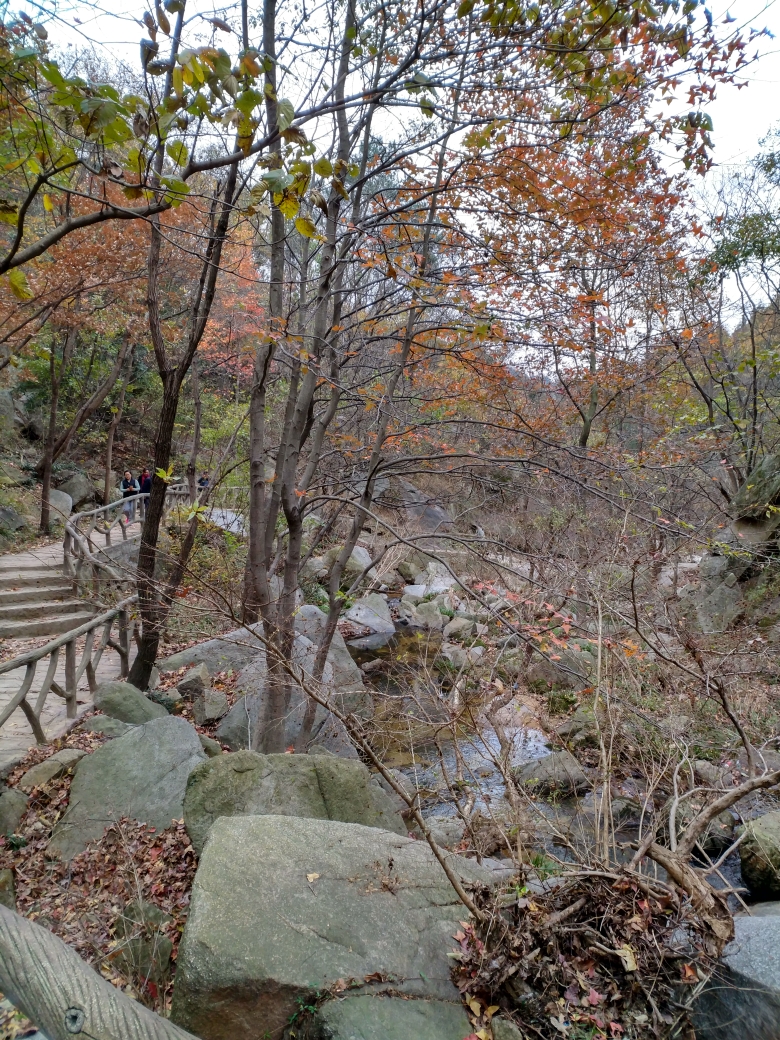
63, 996
192, 462
47, 462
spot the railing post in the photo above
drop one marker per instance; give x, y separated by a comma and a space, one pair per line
70, 678
124, 644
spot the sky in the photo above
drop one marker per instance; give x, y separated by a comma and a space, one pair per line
742, 117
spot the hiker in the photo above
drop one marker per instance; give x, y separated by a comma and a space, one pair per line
204, 481
146, 482
129, 486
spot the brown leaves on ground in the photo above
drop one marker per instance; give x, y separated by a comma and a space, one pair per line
81, 901
600, 954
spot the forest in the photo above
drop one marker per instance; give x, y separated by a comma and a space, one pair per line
389, 524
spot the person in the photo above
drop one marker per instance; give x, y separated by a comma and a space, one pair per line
146, 482
204, 481
129, 486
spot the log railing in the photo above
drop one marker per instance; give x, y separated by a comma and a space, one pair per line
116, 620
90, 536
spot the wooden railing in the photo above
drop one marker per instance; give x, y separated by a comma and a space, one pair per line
115, 618
89, 535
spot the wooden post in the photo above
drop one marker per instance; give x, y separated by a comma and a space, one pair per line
63, 996
70, 678
124, 643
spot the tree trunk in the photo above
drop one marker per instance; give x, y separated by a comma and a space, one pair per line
63, 996
192, 462
47, 462
115, 421
147, 556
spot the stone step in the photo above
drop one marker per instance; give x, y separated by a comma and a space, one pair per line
13, 565
54, 625
41, 578
44, 594
30, 611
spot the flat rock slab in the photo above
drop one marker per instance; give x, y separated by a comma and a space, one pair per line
319, 787
391, 1018
372, 612
231, 651
122, 701
142, 775
284, 907
558, 774
743, 997
52, 767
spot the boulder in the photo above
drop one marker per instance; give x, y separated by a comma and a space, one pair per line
209, 705
142, 775
51, 768
106, 725
357, 563
459, 628
195, 681
719, 610
372, 612
581, 729
385, 1017
505, 1029
341, 678
559, 773
572, 670
122, 701
10, 520
226, 653
759, 854
282, 908
13, 806
429, 616
211, 747
80, 488
743, 996
760, 491
319, 787
61, 506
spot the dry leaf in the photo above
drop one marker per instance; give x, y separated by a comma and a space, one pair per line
312, 877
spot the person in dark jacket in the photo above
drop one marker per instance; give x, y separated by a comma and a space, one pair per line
129, 486
146, 482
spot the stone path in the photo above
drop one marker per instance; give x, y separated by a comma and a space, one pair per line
32, 583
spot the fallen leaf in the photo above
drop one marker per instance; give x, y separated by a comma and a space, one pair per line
474, 1004
626, 954
689, 973
312, 877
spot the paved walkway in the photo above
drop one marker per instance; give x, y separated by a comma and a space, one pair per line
16, 736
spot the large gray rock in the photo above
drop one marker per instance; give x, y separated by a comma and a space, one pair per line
282, 908
106, 725
559, 773
194, 681
80, 488
427, 615
142, 775
10, 520
229, 652
341, 679
355, 565
372, 612
389, 1018
122, 701
318, 787
743, 997
61, 506
13, 806
719, 610
759, 854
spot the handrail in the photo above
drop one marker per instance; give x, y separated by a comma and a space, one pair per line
83, 559
76, 633
90, 659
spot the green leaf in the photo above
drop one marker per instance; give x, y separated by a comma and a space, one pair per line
177, 189
248, 101
178, 152
17, 279
466, 8
8, 212
285, 113
323, 167
277, 180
